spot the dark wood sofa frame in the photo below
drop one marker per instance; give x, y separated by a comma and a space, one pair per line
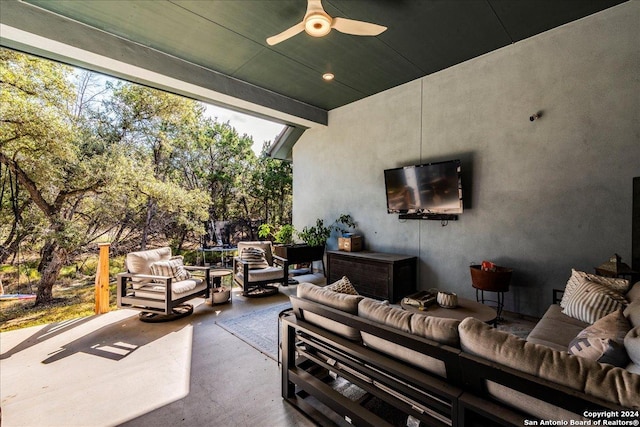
310, 353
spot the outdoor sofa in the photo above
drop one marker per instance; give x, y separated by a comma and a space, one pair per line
409, 368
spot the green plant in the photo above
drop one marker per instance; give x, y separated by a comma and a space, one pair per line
316, 235
345, 220
266, 231
319, 234
282, 234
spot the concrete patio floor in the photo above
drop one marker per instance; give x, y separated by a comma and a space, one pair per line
112, 369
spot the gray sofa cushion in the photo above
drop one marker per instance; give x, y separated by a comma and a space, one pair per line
444, 331
634, 293
632, 345
342, 302
632, 313
555, 329
603, 381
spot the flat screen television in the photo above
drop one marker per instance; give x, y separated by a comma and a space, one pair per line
427, 189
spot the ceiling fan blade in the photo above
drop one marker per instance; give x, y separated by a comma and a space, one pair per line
357, 28
286, 34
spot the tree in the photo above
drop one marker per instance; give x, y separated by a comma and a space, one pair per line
83, 157
78, 182
156, 129
40, 145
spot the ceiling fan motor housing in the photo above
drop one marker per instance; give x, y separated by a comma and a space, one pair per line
317, 24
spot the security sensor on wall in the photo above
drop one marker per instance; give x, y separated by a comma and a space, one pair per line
536, 116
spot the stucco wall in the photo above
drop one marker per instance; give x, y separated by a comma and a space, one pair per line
541, 197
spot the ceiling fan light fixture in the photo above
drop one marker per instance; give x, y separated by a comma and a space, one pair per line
317, 25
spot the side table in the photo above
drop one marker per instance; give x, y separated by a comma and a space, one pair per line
220, 295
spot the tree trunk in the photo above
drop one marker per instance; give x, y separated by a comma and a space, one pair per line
55, 258
147, 224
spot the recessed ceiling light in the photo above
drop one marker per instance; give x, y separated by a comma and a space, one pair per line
328, 76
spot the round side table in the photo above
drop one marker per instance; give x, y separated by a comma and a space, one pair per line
220, 295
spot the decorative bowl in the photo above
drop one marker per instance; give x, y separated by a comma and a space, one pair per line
447, 299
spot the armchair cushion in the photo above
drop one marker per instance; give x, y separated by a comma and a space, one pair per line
173, 268
178, 289
255, 257
269, 273
140, 263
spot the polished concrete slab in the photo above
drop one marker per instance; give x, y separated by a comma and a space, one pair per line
112, 369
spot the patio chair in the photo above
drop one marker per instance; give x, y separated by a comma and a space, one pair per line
257, 270
158, 285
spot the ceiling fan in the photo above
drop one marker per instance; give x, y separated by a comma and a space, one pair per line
318, 23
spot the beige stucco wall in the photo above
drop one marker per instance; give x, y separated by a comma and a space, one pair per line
542, 197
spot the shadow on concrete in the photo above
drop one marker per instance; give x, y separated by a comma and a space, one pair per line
47, 332
119, 339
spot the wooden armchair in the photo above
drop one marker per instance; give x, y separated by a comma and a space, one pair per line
159, 285
258, 270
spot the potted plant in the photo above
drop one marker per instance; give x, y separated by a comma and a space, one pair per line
282, 235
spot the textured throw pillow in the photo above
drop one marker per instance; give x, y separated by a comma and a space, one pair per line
172, 268
255, 257
604, 340
591, 301
342, 286
577, 277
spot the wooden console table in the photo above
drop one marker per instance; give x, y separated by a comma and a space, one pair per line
374, 274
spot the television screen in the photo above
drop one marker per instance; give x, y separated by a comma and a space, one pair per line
433, 188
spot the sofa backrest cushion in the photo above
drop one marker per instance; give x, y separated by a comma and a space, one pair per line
140, 263
603, 381
338, 301
440, 329
634, 293
632, 313
413, 323
632, 345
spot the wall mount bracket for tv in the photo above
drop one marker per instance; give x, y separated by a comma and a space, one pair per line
430, 216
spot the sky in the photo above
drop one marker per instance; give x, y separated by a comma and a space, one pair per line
259, 129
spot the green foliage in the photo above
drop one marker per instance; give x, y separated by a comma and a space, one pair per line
319, 234
279, 234
285, 234
84, 159
316, 235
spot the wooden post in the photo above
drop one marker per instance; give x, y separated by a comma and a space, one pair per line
102, 279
